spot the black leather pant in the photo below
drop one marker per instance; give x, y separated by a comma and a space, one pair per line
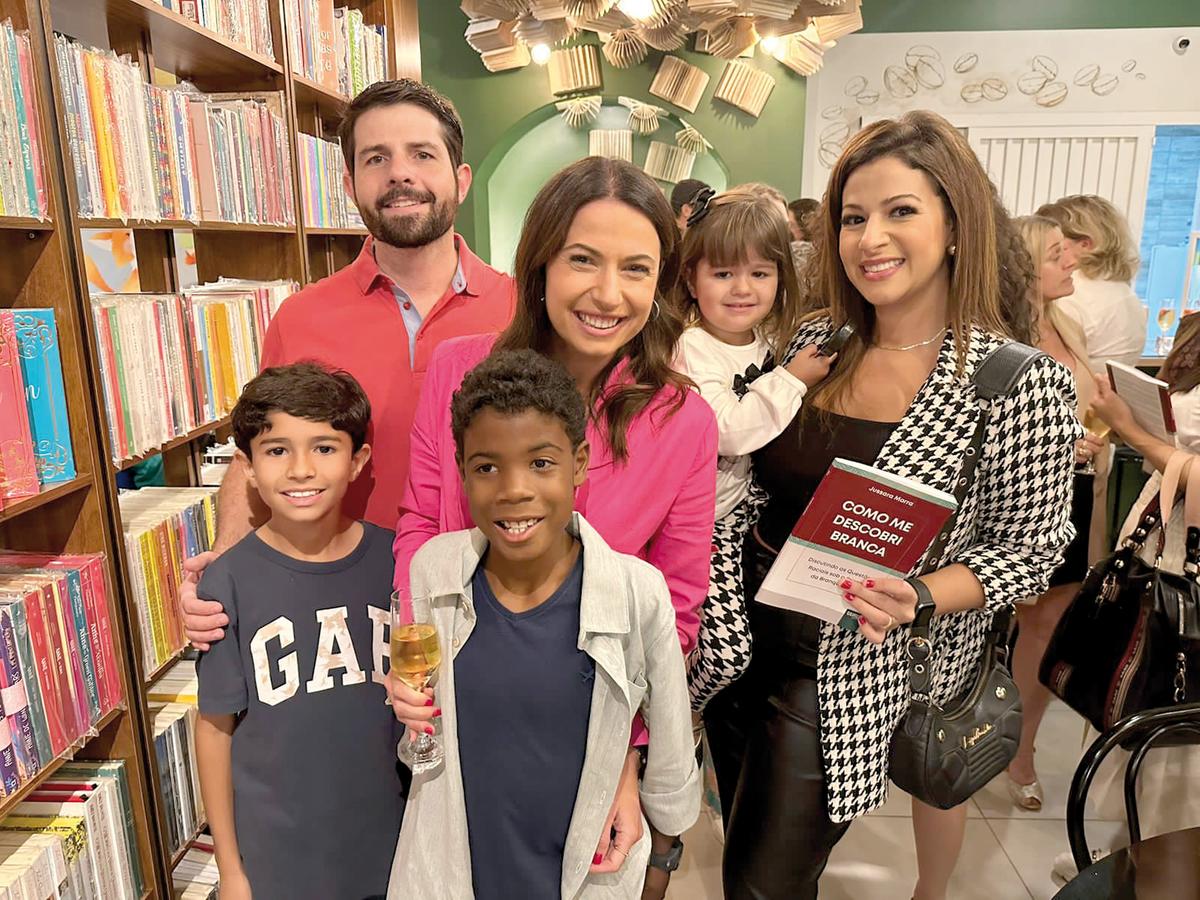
763, 733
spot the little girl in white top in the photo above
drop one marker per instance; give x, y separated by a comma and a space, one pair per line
740, 292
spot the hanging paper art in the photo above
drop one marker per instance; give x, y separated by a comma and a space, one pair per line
679, 82
615, 143
625, 48
689, 138
580, 111
745, 87
575, 69
667, 162
643, 117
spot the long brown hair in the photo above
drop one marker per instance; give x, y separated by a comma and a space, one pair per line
1181, 368
924, 141
544, 234
735, 225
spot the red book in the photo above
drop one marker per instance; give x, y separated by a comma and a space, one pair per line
52, 597
861, 523
18, 466
102, 661
52, 701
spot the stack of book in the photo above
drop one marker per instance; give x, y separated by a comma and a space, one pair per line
170, 363
73, 837
58, 668
322, 196
142, 151
334, 47
34, 429
162, 528
173, 705
245, 22
22, 180
196, 877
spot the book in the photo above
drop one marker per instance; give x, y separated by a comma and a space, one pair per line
322, 199
334, 47
18, 466
861, 523
1149, 399
36, 334
245, 22
197, 877
22, 178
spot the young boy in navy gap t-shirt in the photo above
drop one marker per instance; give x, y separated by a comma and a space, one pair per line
295, 742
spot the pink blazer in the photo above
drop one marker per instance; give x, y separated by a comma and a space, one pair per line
658, 505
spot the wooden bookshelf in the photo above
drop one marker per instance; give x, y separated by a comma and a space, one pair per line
43, 265
38, 269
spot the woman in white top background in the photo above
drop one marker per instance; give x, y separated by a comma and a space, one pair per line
1097, 237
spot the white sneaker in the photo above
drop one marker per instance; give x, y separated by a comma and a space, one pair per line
1064, 865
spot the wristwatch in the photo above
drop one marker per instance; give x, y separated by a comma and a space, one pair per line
925, 608
668, 861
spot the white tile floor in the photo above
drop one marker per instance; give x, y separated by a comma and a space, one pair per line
1008, 853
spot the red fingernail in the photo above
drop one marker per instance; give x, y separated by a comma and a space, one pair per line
869, 583
845, 585
848, 596
429, 701
862, 620
429, 728
597, 859
436, 713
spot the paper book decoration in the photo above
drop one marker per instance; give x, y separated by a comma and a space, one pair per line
711, 6
803, 53
615, 143
515, 57
587, 9
773, 9
827, 7
488, 35
745, 87
670, 35
643, 117
548, 9
533, 31
625, 48
580, 111
690, 139
679, 82
729, 38
833, 28
493, 9
575, 69
611, 21
668, 162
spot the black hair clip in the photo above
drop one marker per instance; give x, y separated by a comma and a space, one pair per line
699, 205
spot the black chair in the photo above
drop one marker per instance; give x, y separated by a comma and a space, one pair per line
1136, 733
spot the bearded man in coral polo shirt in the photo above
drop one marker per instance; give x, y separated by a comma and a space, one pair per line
415, 283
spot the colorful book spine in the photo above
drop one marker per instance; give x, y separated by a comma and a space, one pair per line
15, 699
15, 610
81, 647
10, 777
18, 467
45, 394
52, 700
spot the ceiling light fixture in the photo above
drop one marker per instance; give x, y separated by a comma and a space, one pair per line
540, 54
638, 10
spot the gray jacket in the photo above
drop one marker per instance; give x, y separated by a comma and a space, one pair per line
627, 627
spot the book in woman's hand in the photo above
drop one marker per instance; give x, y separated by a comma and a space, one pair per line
861, 523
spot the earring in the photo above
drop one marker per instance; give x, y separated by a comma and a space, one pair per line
543, 298
951, 249
657, 310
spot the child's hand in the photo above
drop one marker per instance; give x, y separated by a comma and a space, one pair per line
415, 709
809, 367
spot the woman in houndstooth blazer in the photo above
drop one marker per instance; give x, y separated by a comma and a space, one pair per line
915, 251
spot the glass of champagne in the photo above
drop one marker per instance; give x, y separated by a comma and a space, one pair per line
1098, 429
1166, 320
416, 655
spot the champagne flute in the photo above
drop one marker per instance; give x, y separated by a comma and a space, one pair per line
1098, 429
1166, 320
416, 655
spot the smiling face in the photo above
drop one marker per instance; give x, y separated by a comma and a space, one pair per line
302, 469
520, 473
600, 286
894, 235
734, 299
404, 183
1054, 277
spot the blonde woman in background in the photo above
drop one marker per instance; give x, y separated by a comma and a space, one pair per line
1062, 337
1097, 237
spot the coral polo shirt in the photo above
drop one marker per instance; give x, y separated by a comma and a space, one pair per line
354, 320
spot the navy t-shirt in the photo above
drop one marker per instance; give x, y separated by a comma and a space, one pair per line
524, 696
317, 800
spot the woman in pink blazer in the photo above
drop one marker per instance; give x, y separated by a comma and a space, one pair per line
597, 251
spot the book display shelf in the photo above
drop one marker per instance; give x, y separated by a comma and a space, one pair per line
42, 264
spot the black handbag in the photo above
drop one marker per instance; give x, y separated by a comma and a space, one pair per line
943, 754
1130, 640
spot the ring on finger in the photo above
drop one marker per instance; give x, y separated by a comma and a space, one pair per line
617, 849
892, 623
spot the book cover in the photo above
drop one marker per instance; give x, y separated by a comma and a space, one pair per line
861, 523
16, 701
63, 634
25, 55
1148, 398
18, 467
45, 394
15, 610
33, 603
81, 647
10, 776
114, 771
23, 124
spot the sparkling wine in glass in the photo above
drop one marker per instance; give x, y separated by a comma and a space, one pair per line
1098, 429
416, 655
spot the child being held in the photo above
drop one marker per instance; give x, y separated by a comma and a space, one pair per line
295, 742
740, 292
551, 643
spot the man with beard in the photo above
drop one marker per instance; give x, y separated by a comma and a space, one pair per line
414, 285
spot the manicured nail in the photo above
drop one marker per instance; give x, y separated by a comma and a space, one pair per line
429, 729
862, 620
869, 583
436, 713
429, 701
845, 585
597, 859
848, 596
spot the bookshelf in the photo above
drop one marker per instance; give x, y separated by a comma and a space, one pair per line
43, 265
73, 517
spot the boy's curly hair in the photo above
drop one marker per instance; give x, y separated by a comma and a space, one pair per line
513, 381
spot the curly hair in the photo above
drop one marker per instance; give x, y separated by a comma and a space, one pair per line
306, 390
515, 381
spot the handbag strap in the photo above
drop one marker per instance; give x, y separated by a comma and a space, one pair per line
1180, 461
994, 378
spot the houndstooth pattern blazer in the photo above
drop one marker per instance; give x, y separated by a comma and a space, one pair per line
1011, 531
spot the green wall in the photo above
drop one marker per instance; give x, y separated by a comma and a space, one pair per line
498, 109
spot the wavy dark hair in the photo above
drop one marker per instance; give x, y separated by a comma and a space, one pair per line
651, 352
1181, 369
